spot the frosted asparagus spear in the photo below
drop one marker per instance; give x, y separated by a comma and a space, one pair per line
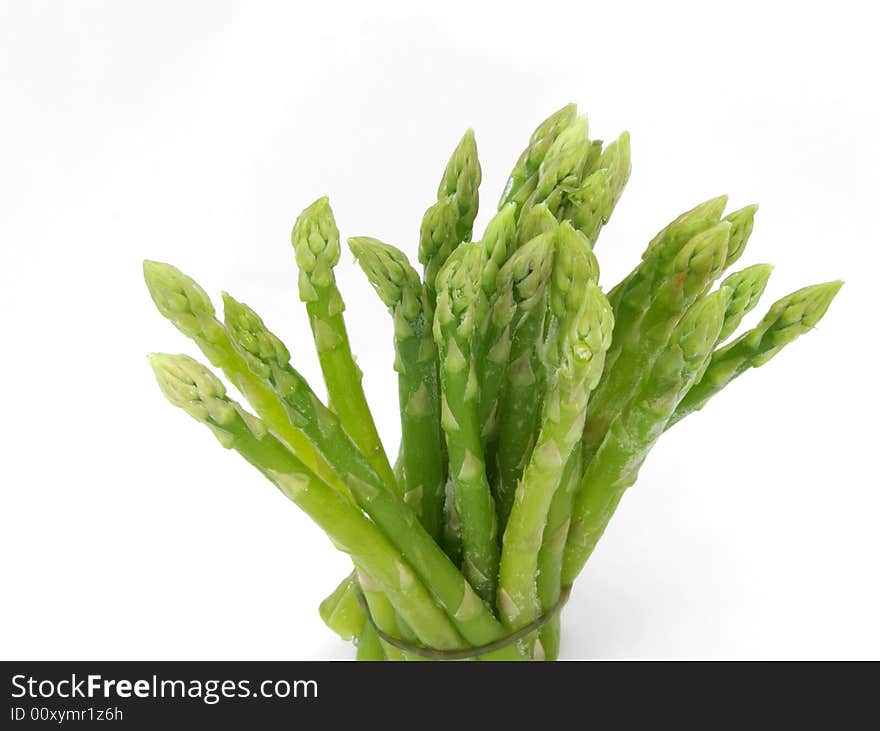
192, 387
787, 319
315, 240
400, 288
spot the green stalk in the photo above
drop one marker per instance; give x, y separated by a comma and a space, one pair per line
315, 239
549, 575
400, 288
582, 345
192, 387
518, 407
680, 276
459, 289
638, 425
521, 283
786, 320
182, 301
268, 357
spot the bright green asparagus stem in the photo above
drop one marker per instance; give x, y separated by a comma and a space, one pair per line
400, 288
681, 275
341, 611
459, 289
315, 239
192, 387
746, 286
788, 318
638, 425
549, 577
524, 177
524, 373
520, 287
582, 344
268, 357
190, 310
450, 221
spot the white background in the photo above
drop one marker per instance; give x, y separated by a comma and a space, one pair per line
195, 132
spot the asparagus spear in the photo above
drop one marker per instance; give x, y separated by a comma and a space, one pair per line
459, 289
315, 239
746, 287
787, 319
192, 387
450, 221
400, 288
524, 177
520, 288
268, 358
549, 575
636, 428
521, 390
561, 169
189, 309
680, 277
583, 343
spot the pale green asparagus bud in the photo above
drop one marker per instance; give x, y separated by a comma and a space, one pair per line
741, 224
746, 288
461, 182
523, 178
450, 221
316, 243
616, 160
534, 222
188, 307
499, 241
574, 264
391, 275
786, 320
590, 205
561, 169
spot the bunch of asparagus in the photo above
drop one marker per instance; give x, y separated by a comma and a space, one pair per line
529, 398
